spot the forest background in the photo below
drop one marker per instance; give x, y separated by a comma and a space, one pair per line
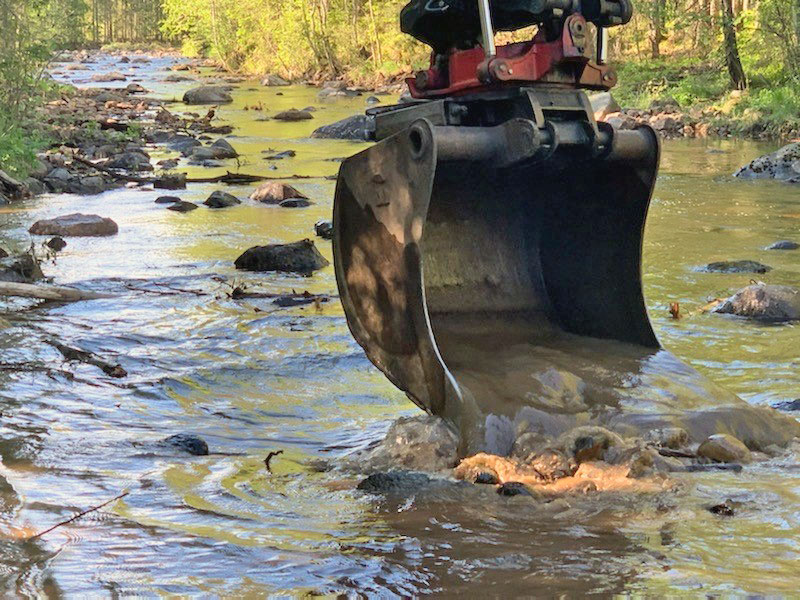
741, 57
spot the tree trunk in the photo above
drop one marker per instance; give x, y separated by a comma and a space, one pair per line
657, 28
732, 60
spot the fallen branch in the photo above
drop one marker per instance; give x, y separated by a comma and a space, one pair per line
88, 358
243, 178
79, 515
112, 172
47, 292
229, 178
269, 458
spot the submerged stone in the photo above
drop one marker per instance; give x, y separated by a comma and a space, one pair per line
513, 488
784, 245
737, 266
394, 482
424, 443
191, 444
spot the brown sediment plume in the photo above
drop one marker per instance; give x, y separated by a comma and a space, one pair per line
596, 476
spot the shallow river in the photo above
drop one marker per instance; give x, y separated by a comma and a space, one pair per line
250, 381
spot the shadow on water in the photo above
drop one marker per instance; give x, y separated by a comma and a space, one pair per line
250, 378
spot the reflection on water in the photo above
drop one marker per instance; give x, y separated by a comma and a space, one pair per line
249, 378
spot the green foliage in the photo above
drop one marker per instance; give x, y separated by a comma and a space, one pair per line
325, 38
684, 80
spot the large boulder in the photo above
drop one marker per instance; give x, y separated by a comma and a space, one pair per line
77, 225
764, 302
297, 257
208, 94
357, 127
273, 192
783, 165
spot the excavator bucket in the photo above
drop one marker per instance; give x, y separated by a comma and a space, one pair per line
513, 231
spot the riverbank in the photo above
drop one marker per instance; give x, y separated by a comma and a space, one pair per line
123, 117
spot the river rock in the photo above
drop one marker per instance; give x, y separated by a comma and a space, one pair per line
394, 482
273, 192
783, 165
131, 161
324, 229
423, 443
182, 206
293, 115
208, 94
173, 181
135, 88
22, 268
167, 199
12, 188
357, 127
221, 199
763, 302
56, 243
77, 225
280, 155
272, 80
736, 266
167, 163
108, 77
784, 245
298, 257
296, 203
724, 448
222, 149
175, 78
588, 443
674, 438
530, 443
191, 444
604, 104
87, 186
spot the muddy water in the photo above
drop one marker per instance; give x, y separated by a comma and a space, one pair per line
251, 381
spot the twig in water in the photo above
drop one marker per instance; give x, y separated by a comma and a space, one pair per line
79, 515
269, 458
90, 359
